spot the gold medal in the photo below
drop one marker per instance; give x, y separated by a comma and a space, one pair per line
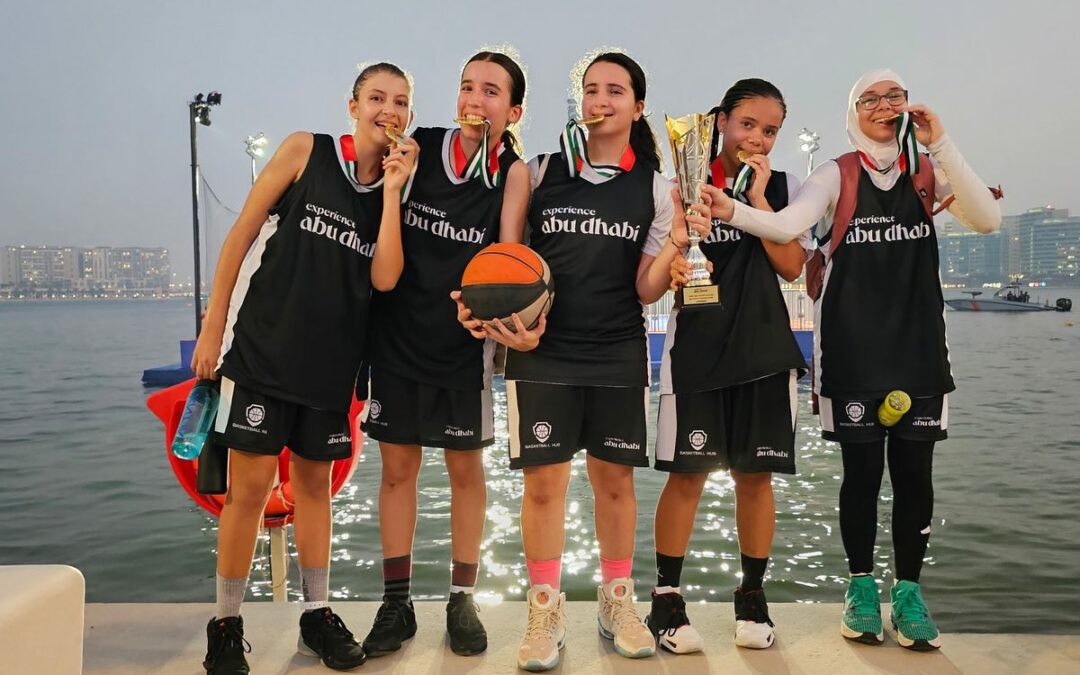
742, 156
393, 134
471, 120
589, 121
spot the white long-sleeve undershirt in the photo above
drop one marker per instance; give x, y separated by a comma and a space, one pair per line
974, 205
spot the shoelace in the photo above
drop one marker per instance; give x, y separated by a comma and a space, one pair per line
910, 605
231, 636
542, 622
623, 613
464, 617
334, 621
388, 615
864, 599
755, 608
678, 617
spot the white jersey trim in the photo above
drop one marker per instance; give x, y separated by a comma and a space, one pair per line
248, 268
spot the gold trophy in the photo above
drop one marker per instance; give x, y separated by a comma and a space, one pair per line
691, 136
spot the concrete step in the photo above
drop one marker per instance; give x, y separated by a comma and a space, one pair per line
169, 639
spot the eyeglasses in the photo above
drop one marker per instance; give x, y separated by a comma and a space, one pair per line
873, 101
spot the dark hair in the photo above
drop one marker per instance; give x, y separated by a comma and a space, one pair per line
642, 139
751, 87
517, 86
374, 69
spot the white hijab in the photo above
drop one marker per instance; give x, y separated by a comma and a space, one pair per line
883, 154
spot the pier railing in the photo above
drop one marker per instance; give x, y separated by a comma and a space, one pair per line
799, 305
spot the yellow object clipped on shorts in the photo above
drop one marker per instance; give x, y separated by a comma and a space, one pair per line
895, 406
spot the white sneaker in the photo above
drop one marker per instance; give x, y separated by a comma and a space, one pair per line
668, 622
753, 627
619, 621
545, 634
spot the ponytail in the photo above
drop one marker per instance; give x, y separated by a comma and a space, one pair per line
643, 142
714, 147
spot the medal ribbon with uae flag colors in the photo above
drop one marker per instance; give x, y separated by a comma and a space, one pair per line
742, 178
907, 159
491, 174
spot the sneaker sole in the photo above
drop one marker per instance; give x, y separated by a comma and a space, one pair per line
920, 645
754, 644
866, 638
303, 649
535, 666
676, 648
468, 651
622, 651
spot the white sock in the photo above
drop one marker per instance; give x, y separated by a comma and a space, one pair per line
660, 590
462, 589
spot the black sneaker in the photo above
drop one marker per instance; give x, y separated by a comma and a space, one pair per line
753, 627
467, 634
668, 621
323, 634
226, 646
395, 622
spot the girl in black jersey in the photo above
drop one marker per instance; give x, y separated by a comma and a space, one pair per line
430, 382
728, 375
285, 329
600, 216
879, 327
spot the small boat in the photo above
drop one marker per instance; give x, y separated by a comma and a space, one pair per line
1009, 298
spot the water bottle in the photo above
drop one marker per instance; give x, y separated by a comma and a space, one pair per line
197, 420
895, 406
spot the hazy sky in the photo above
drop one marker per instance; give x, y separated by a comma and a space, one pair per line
94, 134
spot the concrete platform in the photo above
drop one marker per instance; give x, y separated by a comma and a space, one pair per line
123, 639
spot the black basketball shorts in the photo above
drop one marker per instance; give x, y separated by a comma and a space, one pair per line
549, 423
404, 411
856, 420
254, 422
747, 427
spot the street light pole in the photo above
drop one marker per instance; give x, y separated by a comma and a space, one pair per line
808, 143
255, 147
198, 111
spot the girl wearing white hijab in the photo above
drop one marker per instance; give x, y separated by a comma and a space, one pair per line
879, 326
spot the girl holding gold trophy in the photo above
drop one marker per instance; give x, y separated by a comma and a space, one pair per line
880, 329
430, 381
727, 387
600, 216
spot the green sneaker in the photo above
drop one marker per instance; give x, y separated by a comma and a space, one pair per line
911, 619
862, 611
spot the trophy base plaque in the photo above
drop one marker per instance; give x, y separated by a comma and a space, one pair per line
700, 296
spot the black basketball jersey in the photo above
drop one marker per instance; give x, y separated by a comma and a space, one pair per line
882, 323
591, 235
446, 220
748, 336
299, 309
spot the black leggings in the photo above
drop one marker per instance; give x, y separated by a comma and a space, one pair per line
910, 465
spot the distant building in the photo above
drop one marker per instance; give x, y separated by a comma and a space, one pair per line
102, 267
969, 257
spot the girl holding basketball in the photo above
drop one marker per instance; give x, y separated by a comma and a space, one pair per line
320, 227
879, 326
727, 377
600, 216
430, 382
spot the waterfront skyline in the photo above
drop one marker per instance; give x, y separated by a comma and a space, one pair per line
114, 80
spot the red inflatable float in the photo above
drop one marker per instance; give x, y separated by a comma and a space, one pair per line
168, 406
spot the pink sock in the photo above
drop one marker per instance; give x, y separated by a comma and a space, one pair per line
615, 569
545, 572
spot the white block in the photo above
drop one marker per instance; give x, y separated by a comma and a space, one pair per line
41, 619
